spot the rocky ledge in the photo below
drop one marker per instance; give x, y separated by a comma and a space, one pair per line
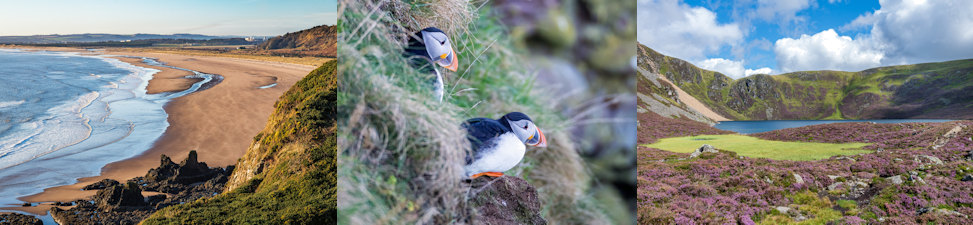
505, 200
17, 219
117, 203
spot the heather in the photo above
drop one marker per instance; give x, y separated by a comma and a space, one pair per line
916, 173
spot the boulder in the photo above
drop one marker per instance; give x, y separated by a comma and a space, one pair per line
969, 155
968, 177
102, 184
703, 149
897, 179
17, 219
928, 160
505, 200
798, 179
118, 196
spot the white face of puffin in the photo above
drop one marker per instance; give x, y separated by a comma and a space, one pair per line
440, 50
528, 133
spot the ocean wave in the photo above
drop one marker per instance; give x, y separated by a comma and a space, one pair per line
10, 103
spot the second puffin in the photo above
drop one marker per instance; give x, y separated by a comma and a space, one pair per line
499, 145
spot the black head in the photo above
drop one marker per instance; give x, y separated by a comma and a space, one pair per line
522, 126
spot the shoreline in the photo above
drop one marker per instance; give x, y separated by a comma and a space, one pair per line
219, 122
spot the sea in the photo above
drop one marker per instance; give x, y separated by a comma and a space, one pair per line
64, 115
758, 126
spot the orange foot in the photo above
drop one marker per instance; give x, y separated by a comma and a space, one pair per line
489, 174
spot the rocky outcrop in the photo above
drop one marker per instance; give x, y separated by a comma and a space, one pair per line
102, 184
117, 203
505, 200
118, 196
19, 219
703, 149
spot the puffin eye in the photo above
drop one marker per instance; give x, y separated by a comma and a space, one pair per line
525, 127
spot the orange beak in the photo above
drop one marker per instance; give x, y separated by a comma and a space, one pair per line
543, 142
455, 64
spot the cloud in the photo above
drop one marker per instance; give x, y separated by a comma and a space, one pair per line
924, 31
902, 32
828, 51
733, 69
682, 31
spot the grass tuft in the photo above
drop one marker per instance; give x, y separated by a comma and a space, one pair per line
402, 152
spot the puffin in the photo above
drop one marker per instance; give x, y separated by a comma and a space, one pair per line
431, 46
499, 145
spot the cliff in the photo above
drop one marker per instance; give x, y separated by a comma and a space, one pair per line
929, 90
317, 41
287, 174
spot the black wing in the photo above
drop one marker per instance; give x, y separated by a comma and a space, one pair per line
482, 135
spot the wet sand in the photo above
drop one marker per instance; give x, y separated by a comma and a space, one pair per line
219, 122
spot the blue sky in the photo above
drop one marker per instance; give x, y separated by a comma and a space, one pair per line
212, 17
745, 37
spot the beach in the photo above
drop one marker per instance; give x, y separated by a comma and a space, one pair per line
218, 122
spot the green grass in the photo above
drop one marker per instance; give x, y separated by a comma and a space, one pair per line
758, 148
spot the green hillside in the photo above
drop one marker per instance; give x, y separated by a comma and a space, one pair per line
929, 90
288, 174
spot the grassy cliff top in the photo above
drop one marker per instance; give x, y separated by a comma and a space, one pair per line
288, 175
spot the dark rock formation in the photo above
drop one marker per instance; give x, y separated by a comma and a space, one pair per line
118, 196
18, 219
505, 200
102, 184
117, 203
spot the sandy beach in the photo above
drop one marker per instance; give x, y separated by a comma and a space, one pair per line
219, 122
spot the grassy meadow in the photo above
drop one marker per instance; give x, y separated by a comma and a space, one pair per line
758, 148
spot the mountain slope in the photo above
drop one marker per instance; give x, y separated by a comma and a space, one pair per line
930, 90
657, 94
317, 41
288, 173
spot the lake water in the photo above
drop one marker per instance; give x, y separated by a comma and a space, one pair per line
750, 127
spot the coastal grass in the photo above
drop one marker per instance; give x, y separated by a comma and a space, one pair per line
758, 148
403, 152
288, 176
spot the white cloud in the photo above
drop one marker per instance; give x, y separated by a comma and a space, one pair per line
902, 32
764, 70
826, 51
923, 31
682, 31
733, 69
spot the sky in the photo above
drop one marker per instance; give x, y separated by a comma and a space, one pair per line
210, 17
745, 37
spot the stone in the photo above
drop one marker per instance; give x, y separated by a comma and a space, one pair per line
798, 179
102, 184
897, 179
17, 218
968, 177
931, 159
119, 196
703, 149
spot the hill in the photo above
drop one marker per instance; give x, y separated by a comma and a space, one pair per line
73, 38
288, 175
317, 41
929, 90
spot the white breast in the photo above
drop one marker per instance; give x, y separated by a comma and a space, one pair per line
508, 153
